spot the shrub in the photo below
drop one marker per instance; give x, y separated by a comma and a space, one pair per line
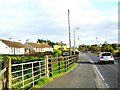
107, 48
117, 54
57, 53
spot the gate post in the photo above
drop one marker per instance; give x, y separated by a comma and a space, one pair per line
7, 64
46, 64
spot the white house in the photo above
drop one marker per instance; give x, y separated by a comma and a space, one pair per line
37, 47
11, 47
46, 47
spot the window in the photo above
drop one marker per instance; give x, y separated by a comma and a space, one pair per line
18, 50
12, 49
106, 54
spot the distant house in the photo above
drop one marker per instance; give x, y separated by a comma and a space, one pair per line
37, 47
11, 47
46, 47
60, 46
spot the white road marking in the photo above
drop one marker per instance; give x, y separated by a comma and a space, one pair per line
116, 63
95, 68
106, 85
91, 61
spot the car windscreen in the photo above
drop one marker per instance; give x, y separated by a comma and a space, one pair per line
106, 54
66, 53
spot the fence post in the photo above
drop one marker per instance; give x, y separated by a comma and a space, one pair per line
68, 62
46, 64
32, 74
50, 67
65, 65
7, 64
59, 60
23, 75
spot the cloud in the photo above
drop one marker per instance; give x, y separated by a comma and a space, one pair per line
47, 19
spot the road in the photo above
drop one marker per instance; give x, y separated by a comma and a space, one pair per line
88, 74
109, 72
80, 77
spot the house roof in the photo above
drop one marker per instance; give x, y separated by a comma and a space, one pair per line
45, 45
12, 43
38, 45
35, 45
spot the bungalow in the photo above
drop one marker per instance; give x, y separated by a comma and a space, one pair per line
37, 47
11, 47
46, 47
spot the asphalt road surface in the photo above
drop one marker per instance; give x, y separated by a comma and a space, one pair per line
109, 72
88, 74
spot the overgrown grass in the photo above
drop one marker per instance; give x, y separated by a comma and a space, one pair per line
41, 82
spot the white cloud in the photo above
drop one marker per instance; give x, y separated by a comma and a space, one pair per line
115, 31
48, 19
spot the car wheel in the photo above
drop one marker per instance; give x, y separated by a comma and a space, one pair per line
112, 62
99, 62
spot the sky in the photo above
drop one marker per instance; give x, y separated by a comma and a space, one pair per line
48, 19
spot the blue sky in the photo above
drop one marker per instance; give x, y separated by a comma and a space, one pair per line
47, 19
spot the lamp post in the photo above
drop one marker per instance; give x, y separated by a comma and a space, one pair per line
74, 39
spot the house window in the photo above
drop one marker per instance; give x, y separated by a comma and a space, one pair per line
18, 50
12, 49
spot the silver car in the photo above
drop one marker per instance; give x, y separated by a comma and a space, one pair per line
106, 57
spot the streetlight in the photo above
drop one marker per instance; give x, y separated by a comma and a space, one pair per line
74, 39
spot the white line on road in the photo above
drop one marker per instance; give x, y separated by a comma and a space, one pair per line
106, 85
95, 68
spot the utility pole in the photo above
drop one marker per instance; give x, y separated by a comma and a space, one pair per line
97, 43
96, 40
69, 31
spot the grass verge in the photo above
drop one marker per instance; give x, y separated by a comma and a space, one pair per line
45, 80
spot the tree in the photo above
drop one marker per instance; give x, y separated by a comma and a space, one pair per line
115, 46
94, 49
84, 47
46, 41
51, 43
57, 53
107, 48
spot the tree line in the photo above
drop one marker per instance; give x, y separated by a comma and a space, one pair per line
51, 43
106, 47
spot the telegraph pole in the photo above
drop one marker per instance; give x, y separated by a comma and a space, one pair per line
97, 43
69, 31
96, 40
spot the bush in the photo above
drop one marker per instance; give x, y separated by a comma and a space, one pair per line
94, 49
57, 53
117, 54
107, 48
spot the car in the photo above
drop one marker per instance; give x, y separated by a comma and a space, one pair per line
106, 57
66, 54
